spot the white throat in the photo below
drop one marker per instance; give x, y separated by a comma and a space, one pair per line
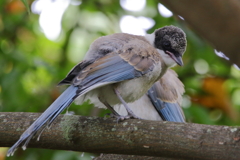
166, 58
150, 38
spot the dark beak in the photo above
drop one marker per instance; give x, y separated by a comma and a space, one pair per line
177, 58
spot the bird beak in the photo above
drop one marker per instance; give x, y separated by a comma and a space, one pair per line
177, 59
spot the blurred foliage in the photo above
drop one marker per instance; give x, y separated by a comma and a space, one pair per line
31, 65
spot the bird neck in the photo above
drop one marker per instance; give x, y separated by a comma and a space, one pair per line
150, 38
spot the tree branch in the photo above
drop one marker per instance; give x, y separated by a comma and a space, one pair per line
216, 20
130, 157
134, 137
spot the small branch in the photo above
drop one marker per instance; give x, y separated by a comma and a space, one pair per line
132, 137
214, 20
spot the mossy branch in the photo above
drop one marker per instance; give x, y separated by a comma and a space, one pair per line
132, 137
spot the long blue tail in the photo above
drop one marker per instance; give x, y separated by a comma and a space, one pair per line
48, 116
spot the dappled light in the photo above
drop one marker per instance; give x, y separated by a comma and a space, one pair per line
236, 66
51, 13
221, 54
235, 97
186, 102
137, 26
133, 5
164, 11
201, 66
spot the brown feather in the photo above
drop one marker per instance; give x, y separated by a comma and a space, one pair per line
170, 87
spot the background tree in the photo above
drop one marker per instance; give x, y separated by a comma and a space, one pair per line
33, 58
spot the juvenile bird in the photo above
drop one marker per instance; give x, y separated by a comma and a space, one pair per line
162, 102
118, 68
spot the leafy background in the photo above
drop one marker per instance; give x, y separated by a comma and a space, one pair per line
31, 65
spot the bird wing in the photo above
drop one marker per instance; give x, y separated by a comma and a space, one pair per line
133, 59
166, 96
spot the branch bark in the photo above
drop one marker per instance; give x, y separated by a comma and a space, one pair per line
130, 157
217, 21
133, 137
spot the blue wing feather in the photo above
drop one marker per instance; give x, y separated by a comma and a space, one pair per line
168, 111
115, 69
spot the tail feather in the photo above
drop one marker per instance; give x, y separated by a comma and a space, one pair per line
167, 110
171, 112
48, 116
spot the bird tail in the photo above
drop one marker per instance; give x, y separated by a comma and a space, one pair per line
169, 111
172, 112
48, 116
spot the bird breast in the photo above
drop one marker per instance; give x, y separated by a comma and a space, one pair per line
133, 89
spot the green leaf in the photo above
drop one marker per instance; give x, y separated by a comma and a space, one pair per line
26, 5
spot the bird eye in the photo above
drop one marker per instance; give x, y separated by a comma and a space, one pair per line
166, 44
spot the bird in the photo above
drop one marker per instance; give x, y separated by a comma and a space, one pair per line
117, 68
162, 102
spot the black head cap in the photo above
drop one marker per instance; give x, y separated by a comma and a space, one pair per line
172, 40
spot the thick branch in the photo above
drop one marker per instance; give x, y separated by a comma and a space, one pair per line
133, 137
130, 157
215, 20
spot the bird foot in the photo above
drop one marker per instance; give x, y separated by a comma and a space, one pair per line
122, 118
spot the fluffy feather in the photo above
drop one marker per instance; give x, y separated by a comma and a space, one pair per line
162, 102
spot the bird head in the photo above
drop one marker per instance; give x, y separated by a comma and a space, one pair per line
171, 43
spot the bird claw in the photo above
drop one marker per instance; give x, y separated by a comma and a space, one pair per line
133, 116
122, 118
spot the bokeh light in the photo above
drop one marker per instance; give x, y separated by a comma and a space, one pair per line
221, 54
133, 5
164, 11
51, 13
201, 66
136, 25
